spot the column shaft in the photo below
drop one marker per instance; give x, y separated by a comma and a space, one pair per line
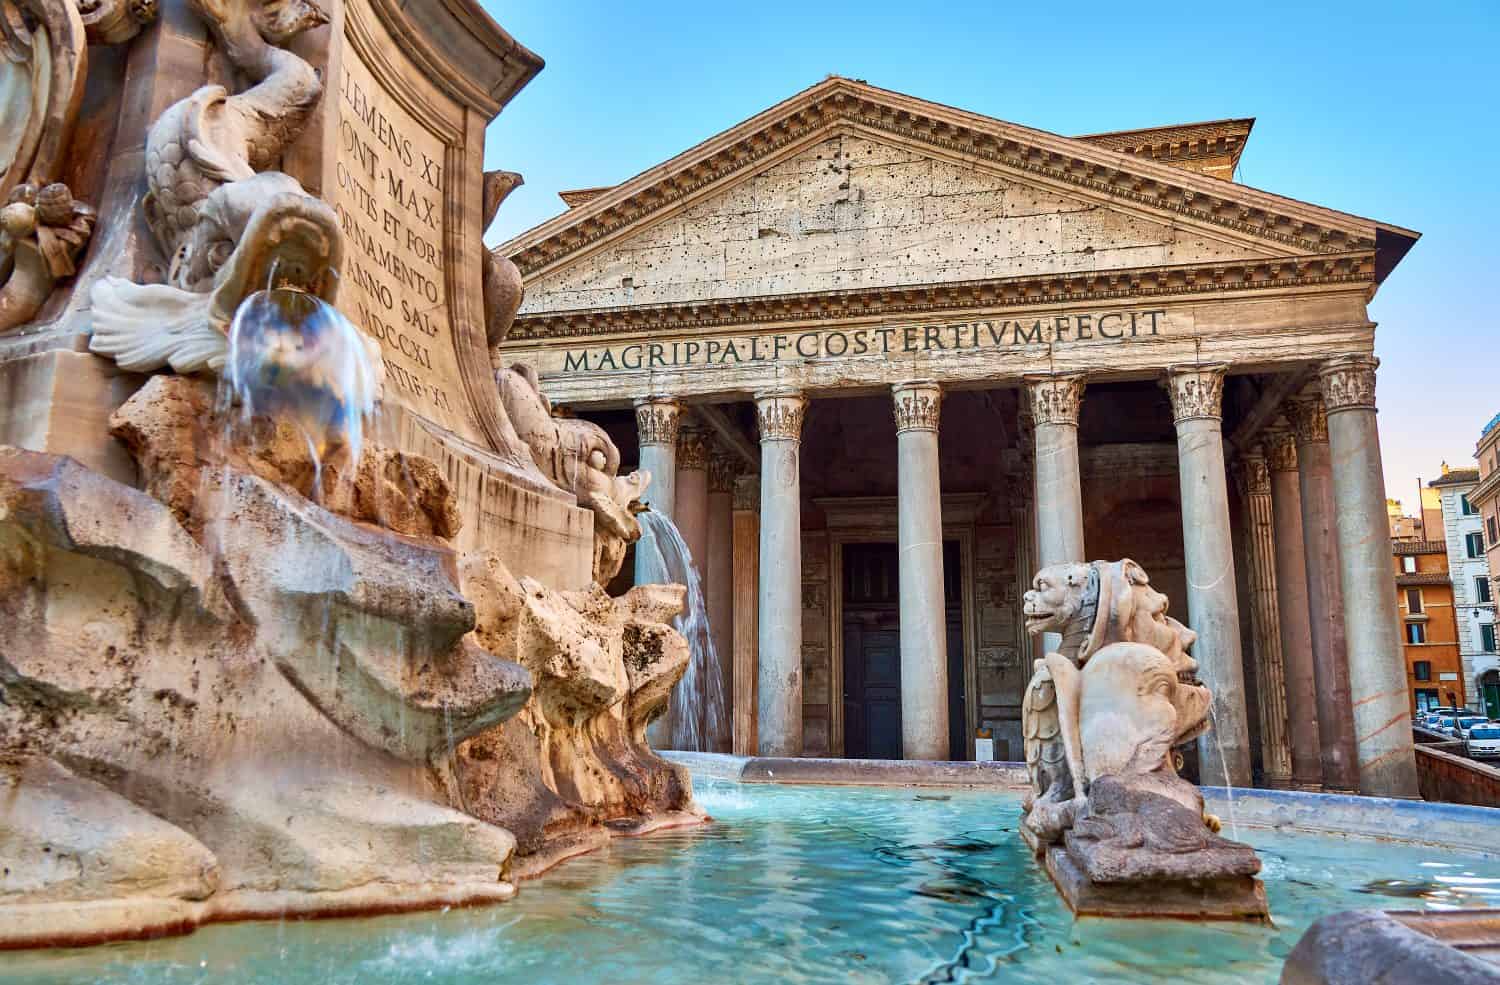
1055, 403
1292, 602
1265, 619
746, 614
1325, 596
718, 570
1213, 605
656, 420
1387, 762
697, 699
780, 413
919, 524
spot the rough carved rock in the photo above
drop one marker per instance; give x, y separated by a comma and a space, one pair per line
329, 716
172, 428
1138, 853
1121, 833
579, 457
576, 757
288, 699
227, 225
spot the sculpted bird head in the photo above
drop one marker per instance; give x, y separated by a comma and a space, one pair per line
279, 21
497, 186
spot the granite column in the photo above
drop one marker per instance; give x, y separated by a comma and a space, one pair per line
1377, 671
919, 526
718, 590
1325, 595
1265, 618
779, 413
656, 423
746, 641
1055, 403
696, 698
1292, 601
1213, 606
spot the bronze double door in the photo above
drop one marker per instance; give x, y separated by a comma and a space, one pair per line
872, 651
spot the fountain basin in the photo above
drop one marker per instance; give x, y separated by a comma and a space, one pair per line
811, 882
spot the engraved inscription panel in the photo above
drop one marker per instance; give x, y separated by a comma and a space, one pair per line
390, 190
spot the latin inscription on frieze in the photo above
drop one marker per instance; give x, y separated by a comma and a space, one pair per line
389, 192
883, 341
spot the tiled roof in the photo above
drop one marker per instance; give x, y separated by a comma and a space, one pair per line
1490, 426
1456, 477
1423, 578
1403, 548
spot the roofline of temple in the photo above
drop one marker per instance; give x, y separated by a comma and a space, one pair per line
1301, 227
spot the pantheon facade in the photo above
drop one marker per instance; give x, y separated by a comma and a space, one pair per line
885, 359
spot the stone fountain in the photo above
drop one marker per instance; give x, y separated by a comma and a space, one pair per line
291, 626
1120, 832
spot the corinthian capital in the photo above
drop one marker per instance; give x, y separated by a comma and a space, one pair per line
721, 471
917, 405
1055, 399
1197, 391
1349, 382
1281, 450
692, 448
1309, 418
1252, 475
656, 420
779, 414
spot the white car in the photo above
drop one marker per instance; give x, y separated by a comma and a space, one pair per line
1483, 741
1440, 721
1459, 727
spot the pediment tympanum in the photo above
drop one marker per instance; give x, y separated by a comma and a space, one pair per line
854, 212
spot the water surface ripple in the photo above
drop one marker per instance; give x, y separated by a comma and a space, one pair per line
802, 884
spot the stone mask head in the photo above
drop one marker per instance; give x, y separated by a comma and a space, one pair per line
1056, 597
1135, 708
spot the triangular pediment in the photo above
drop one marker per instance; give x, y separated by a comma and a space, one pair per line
850, 186
855, 212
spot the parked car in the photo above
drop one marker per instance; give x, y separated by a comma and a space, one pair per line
1441, 721
1459, 727
1483, 741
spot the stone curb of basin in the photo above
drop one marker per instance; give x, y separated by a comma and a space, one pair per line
1416, 822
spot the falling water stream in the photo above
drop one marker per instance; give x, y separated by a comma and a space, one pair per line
295, 357
700, 709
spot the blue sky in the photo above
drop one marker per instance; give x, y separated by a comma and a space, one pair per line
1387, 111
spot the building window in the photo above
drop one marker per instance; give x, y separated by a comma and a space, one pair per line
1482, 589
1416, 633
1465, 506
1487, 637
1409, 564
1475, 541
1427, 699
1422, 670
1413, 600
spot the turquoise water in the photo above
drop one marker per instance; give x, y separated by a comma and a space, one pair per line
801, 884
